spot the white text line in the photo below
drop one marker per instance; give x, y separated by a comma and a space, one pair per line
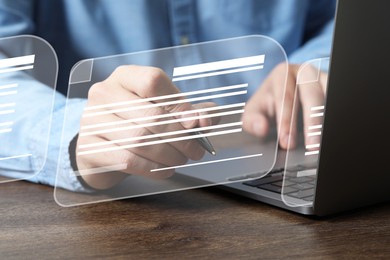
210, 74
3, 131
15, 157
28, 67
9, 86
317, 115
8, 93
189, 137
104, 169
315, 127
121, 122
17, 61
208, 162
182, 94
161, 123
218, 65
312, 153
317, 108
236, 93
132, 139
5, 112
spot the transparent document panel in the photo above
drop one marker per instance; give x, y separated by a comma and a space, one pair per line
302, 157
28, 73
146, 131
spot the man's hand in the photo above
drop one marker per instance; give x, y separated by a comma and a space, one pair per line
134, 84
274, 102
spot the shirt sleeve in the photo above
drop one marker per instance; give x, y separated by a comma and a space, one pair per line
58, 145
40, 132
318, 32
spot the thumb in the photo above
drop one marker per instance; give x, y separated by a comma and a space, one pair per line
255, 118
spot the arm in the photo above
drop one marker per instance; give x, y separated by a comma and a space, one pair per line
34, 114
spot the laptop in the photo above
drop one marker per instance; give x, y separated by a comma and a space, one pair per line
352, 171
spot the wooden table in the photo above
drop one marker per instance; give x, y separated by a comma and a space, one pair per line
202, 223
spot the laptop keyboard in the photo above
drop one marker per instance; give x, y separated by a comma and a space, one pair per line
300, 188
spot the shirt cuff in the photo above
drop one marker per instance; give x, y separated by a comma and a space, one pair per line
57, 170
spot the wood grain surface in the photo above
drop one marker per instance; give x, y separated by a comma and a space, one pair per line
204, 224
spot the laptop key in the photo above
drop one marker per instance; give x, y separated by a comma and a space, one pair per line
303, 186
300, 167
265, 180
310, 198
287, 190
273, 188
301, 179
286, 183
256, 175
302, 193
270, 187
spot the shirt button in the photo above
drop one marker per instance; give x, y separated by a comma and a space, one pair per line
184, 40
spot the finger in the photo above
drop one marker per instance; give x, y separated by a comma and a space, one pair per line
157, 83
124, 103
324, 81
312, 101
206, 121
141, 142
151, 84
131, 135
258, 111
121, 93
130, 163
262, 106
183, 142
135, 78
170, 131
156, 120
286, 110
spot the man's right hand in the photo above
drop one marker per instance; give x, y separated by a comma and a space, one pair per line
135, 83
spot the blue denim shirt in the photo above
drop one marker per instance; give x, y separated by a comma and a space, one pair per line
79, 29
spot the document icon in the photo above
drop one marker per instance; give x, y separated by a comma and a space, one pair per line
300, 178
8, 108
28, 66
225, 73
